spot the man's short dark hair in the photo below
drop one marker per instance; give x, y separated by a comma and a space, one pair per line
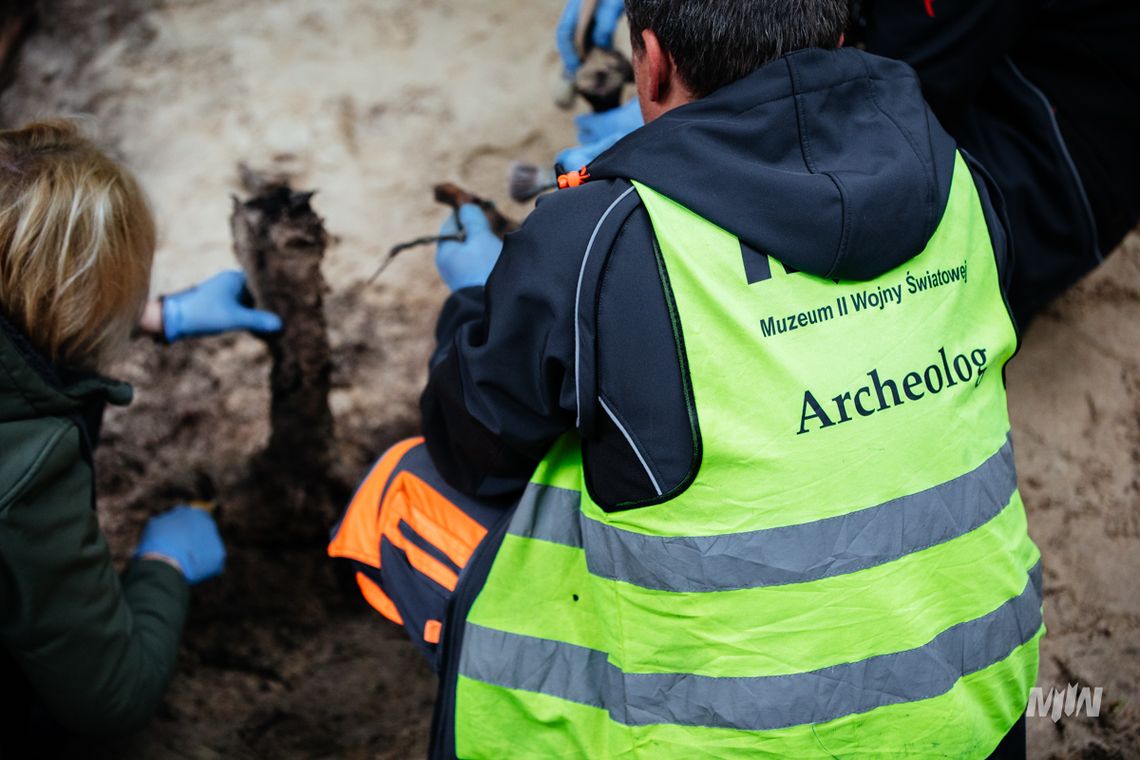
716, 42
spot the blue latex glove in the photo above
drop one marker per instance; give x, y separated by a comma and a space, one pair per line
189, 537
598, 131
463, 265
211, 307
606, 18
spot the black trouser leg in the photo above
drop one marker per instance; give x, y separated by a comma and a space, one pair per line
1012, 747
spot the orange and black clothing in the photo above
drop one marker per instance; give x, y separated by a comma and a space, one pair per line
408, 535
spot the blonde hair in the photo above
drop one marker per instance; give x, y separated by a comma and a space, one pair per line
76, 244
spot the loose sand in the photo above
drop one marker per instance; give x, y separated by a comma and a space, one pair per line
371, 102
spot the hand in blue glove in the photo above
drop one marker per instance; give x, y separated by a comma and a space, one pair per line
186, 537
463, 265
598, 131
606, 18
212, 307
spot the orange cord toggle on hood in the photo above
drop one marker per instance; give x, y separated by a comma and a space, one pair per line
574, 179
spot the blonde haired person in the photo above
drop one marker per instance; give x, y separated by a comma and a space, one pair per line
81, 648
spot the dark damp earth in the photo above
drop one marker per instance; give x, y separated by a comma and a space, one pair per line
281, 657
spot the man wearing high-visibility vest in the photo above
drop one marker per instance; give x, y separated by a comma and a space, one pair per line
718, 463
1045, 94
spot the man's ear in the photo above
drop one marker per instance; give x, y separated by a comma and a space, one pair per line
656, 68
660, 87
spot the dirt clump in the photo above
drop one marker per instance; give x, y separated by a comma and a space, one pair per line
280, 241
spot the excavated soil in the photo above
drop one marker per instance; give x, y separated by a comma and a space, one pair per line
371, 102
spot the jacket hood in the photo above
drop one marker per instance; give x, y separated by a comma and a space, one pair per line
828, 160
31, 387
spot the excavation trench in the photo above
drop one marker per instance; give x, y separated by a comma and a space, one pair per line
359, 99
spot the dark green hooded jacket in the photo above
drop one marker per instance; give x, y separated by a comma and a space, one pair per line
80, 647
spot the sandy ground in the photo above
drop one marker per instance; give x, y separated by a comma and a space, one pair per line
371, 102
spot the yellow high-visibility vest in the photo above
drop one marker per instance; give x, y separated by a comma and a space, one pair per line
846, 574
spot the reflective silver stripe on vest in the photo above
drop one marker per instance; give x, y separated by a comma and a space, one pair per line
549, 513
586, 676
776, 556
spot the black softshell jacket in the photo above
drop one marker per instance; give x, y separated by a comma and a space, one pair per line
829, 161
1046, 95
